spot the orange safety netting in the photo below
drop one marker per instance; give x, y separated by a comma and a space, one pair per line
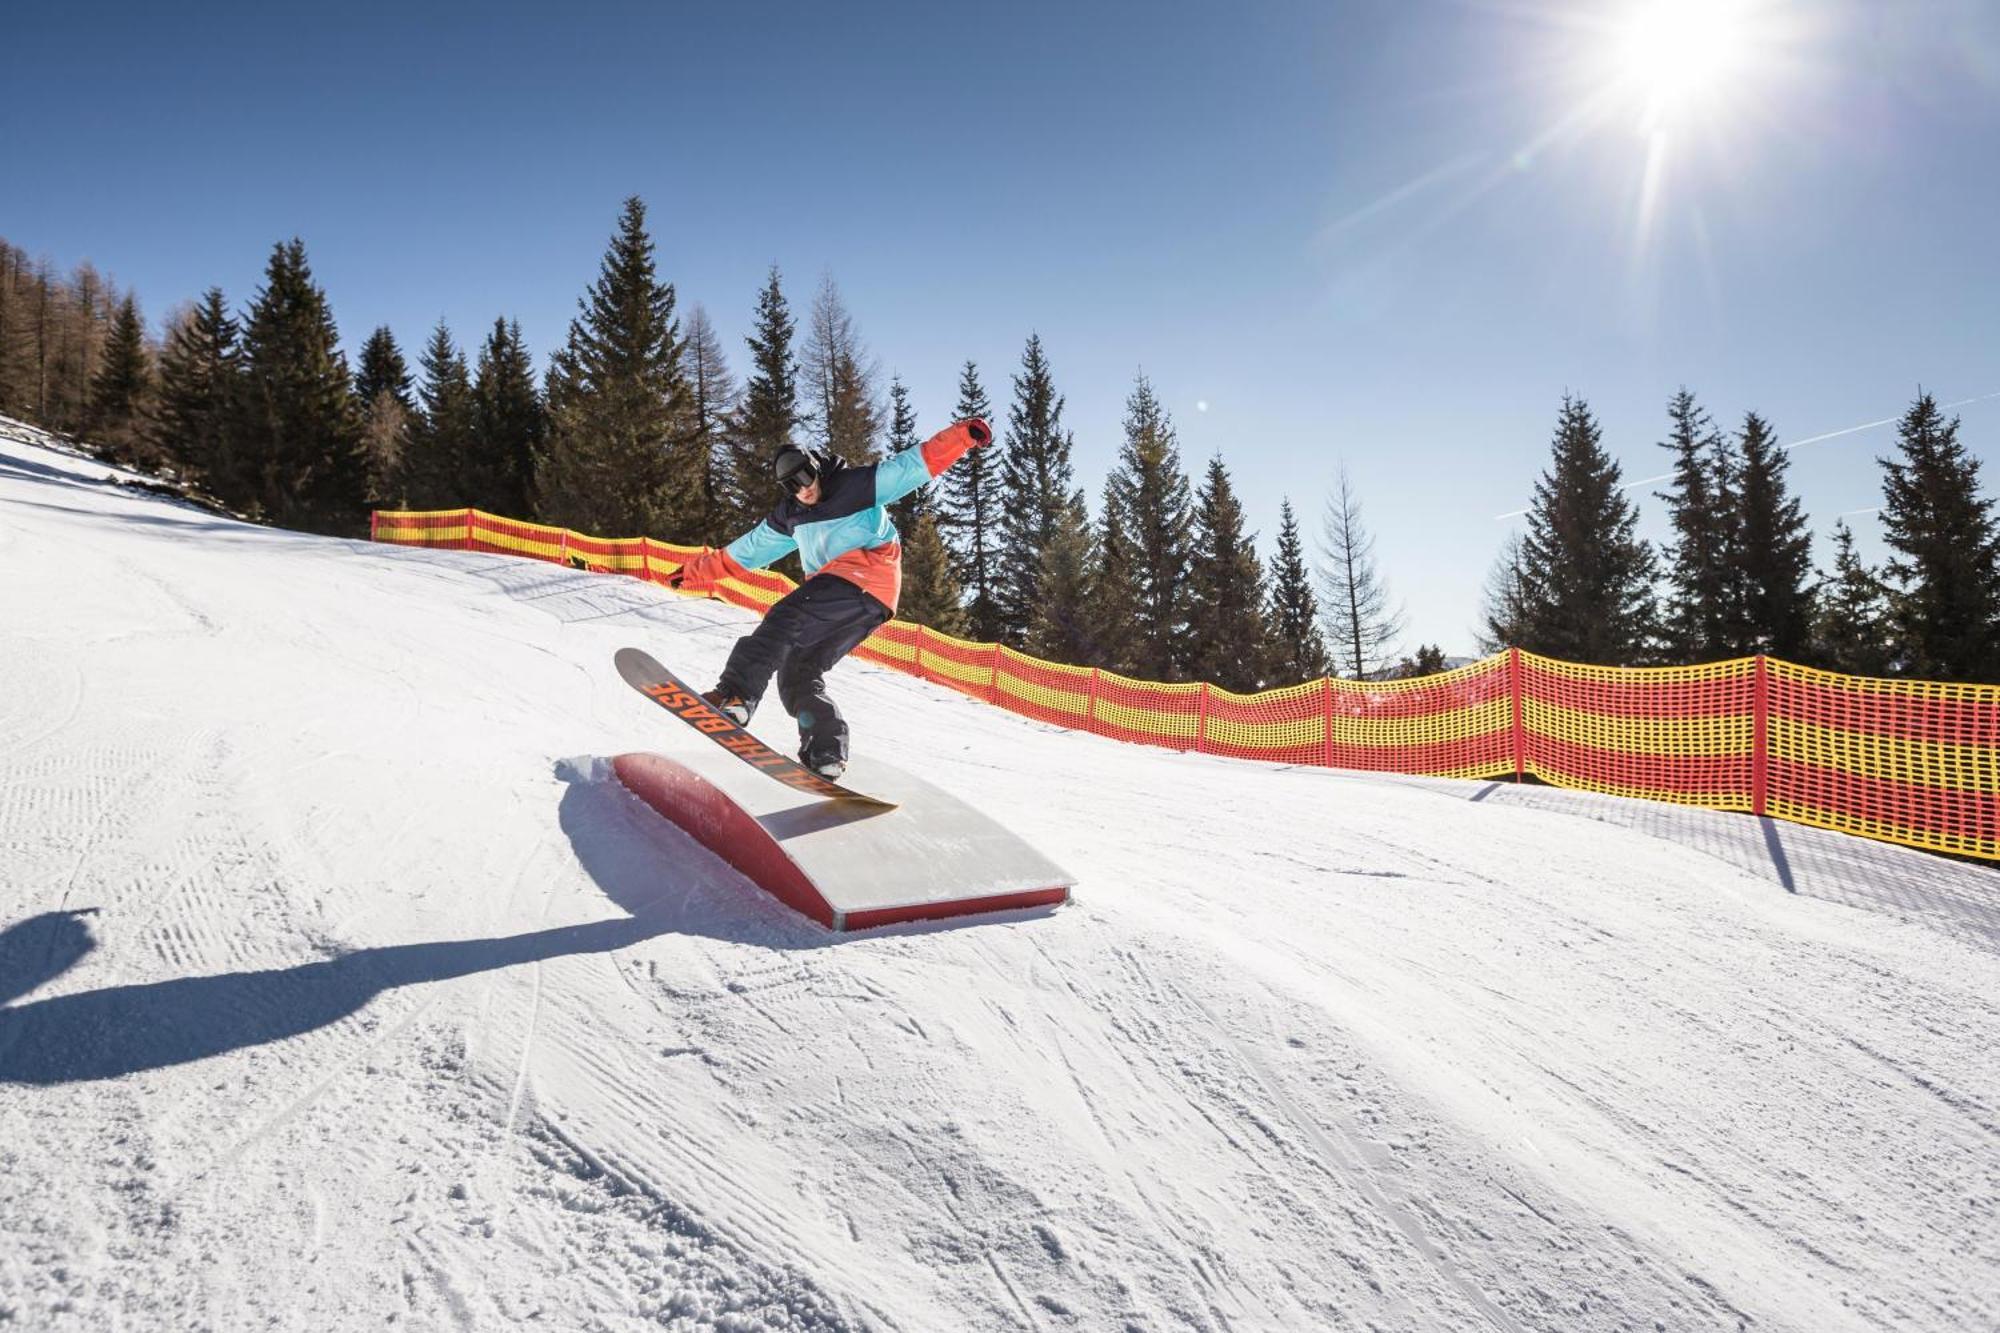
1915, 762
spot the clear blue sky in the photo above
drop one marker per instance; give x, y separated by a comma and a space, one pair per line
1386, 233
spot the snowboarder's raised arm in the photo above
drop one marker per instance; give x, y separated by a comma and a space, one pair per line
896, 477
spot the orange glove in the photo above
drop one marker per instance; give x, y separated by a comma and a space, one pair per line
702, 573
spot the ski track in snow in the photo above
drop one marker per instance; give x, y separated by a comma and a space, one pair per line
341, 988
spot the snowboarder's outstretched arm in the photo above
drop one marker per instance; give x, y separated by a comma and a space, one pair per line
897, 476
753, 550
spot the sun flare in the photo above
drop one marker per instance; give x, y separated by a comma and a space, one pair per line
1677, 57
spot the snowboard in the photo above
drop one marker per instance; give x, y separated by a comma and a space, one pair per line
675, 695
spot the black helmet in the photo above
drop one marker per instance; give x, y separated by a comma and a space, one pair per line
795, 468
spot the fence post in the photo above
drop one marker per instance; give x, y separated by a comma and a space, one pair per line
374, 517
1091, 716
1760, 737
921, 631
1516, 687
468, 526
1327, 681
993, 677
1201, 723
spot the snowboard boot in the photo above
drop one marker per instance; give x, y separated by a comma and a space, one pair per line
731, 705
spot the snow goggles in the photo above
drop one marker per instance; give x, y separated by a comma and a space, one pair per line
795, 470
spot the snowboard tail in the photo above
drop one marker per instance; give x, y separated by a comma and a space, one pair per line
670, 692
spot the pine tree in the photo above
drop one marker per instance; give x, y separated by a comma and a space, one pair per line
120, 390
770, 416
439, 470
903, 436
1703, 574
1354, 603
300, 435
1945, 577
839, 381
1037, 480
713, 394
1298, 649
969, 514
382, 395
1061, 626
931, 595
1148, 495
508, 424
1229, 640
1115, 601
1427, 661
1588, 578
620, 457
199, 397
1851, 623
1774, 549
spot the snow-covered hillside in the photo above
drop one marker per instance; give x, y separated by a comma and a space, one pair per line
342, 989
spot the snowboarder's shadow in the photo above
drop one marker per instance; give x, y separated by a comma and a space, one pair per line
664, 881
118, 1030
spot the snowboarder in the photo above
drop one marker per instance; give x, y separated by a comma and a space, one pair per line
833, 514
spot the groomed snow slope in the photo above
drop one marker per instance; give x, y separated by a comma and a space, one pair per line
343, 990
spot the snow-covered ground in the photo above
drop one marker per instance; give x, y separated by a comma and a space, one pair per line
343, 990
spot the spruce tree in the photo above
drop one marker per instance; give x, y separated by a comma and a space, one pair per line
439, 471
1148, 495
1061, 626
931, 594
1851, 614
712, 391
1588, 577
903, 436
1115, 603
769, 418
508, 424
619, 460
1354, 603
1773, 548
1427, 661
969, 514
198, 396
1229, 639
382, 395
1700, 619
1945, 575
120, 390
1298, 649
1037, 481
300, 437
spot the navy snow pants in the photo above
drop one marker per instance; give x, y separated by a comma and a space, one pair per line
815, 625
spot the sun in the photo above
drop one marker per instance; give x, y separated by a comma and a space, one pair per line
1677, 58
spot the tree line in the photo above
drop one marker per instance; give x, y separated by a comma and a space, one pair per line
640, 426
1736, 577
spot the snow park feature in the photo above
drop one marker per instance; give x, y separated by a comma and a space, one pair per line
847, 860
344, 986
